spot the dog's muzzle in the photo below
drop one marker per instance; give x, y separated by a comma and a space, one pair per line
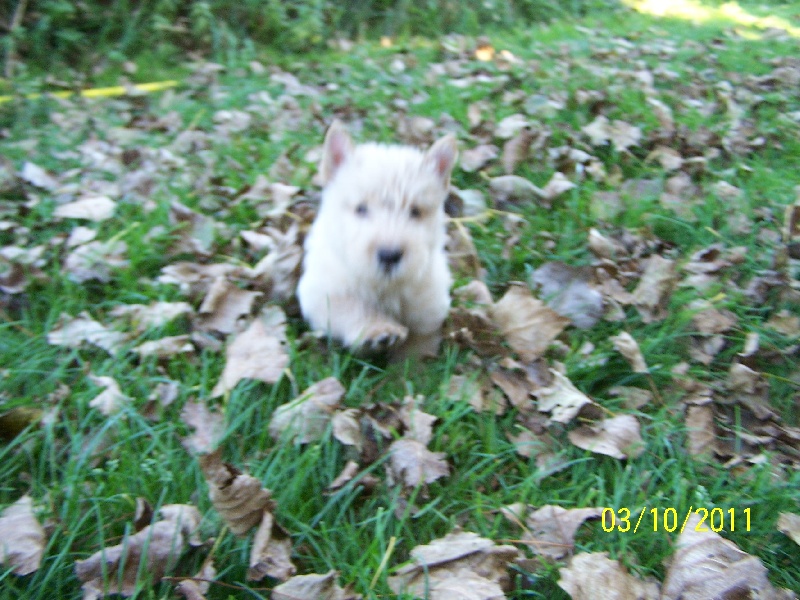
389, 258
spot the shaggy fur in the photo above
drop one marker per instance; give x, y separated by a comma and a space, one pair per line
375, 273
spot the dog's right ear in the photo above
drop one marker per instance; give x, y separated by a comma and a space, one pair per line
338, 146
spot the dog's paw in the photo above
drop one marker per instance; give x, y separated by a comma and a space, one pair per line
382, 336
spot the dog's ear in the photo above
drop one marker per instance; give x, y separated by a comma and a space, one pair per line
442, 156
338, 146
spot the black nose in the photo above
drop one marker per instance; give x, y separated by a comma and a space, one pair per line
389, 258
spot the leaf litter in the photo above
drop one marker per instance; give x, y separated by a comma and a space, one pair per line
243, 305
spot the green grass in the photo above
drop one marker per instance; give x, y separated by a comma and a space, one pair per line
85, 470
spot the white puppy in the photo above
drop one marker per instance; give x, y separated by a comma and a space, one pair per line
375, 273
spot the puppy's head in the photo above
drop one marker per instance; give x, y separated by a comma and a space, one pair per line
385, 204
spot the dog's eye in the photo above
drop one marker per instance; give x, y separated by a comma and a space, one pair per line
415, 212
361, 210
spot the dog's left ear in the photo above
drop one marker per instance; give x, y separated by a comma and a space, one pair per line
442, 156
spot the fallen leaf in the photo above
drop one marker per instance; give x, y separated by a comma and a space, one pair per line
700, 433
153, 551
561, 399
550, 530
557, 186
789, 523
313, 587
629, 348
22, 538
91, 208
36, 175
654, 290
590, 576
477, 158
347, 428
195, 588
166, 347
111, 399
513, 190
411, 463
568, 291
238, 497
462, 555
618, 437
705, 565
271, 552
306, 418
224, 305
259, 352
526, 323
515, 150
73, 332
208, 426
623, 135
511, 125
196, 233
143, 317
96, 261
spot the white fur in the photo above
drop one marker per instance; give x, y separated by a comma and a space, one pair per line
379, 200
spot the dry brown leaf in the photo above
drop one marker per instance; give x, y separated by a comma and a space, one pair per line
513, 190
618, 437
259, 352
438, 566
195, 279
271, 551
629, 348
196, 587
514, 384
166, 347
208, 426
591, 576
669, 158
347, 474
511, 125
569, 292
462, 387
96, 261
142, 317
306, 418
418, 424
709, 320
472, 328
652, 295
239, 498
197, 232
515, 150
462, 256
22, 538
705, 565
561, 399
111, 399
279, 271
476, 158
789, 523
701, 436
526, 323
550, 530
558, 185
224, 305
92, 208
313, 587
623, 135
411, 463
36, 175
73, 332
157, 548
347, 428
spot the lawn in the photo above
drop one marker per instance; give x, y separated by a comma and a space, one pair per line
635, 174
